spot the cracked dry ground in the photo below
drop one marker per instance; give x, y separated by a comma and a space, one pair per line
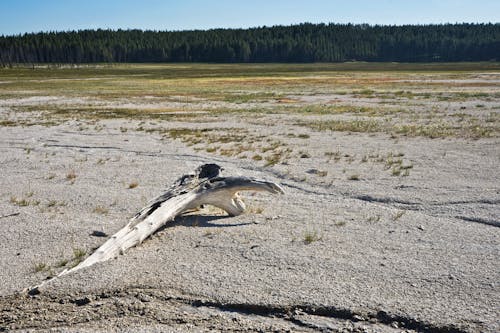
389, 223
380, 253
150, 310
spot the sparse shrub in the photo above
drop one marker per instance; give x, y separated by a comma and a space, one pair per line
40, 267
273, 159
311, 236
398, 215
101, 210
71, 176
78, 254
62, 263
19, 202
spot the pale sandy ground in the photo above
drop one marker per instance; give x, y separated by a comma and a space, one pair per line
390, 254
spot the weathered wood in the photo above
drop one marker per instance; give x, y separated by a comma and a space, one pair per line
205, 186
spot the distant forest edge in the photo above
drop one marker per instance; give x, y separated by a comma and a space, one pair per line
297, 43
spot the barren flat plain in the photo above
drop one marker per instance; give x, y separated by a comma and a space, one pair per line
389, 221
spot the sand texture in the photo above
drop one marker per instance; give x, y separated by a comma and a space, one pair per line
352, 246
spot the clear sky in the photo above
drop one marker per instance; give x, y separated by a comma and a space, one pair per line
20, 16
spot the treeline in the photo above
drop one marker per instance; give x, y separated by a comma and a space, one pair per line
296, 43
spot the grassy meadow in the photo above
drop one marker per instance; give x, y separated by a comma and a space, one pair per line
455, 100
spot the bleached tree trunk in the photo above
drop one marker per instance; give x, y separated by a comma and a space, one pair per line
205, 186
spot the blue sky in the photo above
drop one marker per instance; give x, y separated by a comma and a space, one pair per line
19, 16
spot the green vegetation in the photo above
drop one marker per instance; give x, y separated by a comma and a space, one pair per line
298, 43
311, 236
78, 254
359, 98
23, 202
41, 267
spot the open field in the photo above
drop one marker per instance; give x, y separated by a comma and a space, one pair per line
389, 222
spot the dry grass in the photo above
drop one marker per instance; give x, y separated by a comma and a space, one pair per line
132, 185
327, 97
311, 236
71, 176
101, 210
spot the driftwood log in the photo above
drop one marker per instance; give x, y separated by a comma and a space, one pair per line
205, 186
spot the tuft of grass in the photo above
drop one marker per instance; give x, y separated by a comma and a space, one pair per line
101, 210
396, 171
62, 263
273, 159
311, 236
255, 210
133, 184
41, 267
19, 202
322, 173
398, 215
71, 176
79, 254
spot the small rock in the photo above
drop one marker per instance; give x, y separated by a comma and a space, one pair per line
358, 318
144, 298
97, 233
421, 227
82, 301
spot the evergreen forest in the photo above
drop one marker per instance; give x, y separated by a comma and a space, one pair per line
297, 43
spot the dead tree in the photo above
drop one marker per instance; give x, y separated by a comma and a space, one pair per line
206, 186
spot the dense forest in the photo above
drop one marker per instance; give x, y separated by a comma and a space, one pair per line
296, 43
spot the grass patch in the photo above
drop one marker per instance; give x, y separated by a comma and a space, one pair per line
344, 125
41, 267
101, 210
71, 176
311, 236
23, 202
398, 215
132, 185
78, 255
